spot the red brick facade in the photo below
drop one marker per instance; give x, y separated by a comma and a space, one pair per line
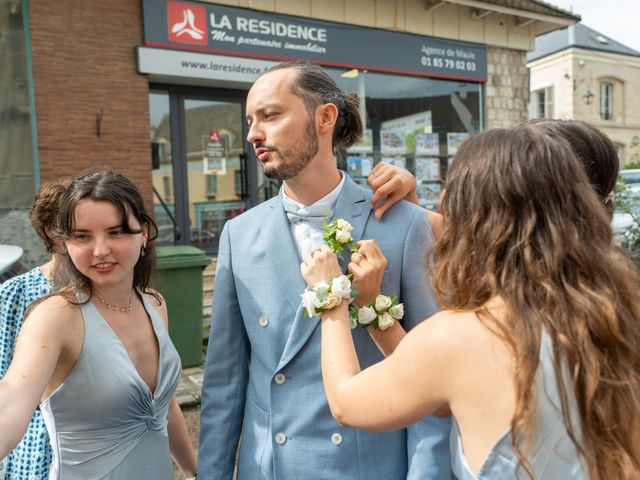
84, 63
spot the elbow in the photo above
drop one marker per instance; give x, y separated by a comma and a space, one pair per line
340, 414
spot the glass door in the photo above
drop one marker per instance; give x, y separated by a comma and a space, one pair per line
204, 171
216, 166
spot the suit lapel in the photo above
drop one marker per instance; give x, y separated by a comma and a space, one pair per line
353, 206
282, 254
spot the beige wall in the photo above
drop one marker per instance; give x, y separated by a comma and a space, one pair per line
574, 71
447, 21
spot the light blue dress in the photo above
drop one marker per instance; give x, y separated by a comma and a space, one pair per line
553, 456
104, 421
30, 460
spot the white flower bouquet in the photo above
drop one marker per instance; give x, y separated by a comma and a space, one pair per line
381, 313
326, 295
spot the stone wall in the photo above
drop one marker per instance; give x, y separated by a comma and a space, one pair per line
507, 88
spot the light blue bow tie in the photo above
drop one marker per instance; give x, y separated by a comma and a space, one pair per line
316, 214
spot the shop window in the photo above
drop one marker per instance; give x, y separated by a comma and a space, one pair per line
543, 103
606, 101
416, 123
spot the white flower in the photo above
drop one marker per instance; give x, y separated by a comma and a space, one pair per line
341, 286
382, 303
397, 311
353, 322
320, 286
366, 315
343, 236
332, 301
385, 321
344, 225
308, 302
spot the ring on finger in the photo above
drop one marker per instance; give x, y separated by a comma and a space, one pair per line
357, 258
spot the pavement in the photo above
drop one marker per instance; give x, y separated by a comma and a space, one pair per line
188, 392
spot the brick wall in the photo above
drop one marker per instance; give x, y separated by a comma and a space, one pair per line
84, 63
507, 88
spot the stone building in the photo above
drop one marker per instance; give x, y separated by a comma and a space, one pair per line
579, 73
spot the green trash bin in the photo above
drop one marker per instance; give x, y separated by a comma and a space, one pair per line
179, 280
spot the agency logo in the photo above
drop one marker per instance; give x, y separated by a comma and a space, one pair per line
187, 23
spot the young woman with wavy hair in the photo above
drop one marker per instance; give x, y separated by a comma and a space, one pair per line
537, 351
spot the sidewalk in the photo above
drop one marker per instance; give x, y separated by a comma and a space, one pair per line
188, 392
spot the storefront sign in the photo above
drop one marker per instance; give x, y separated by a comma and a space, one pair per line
210, 28
216, 150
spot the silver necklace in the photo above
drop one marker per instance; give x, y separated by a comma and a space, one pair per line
115, 308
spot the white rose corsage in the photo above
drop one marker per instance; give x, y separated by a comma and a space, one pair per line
326, 295
381, 313
337, 235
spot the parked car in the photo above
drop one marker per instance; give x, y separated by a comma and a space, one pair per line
631, 177
201, 235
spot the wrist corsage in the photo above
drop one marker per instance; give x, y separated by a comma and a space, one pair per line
326, 295
337, 235
380, 314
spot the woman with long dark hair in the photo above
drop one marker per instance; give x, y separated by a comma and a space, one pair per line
537, 351
96, 355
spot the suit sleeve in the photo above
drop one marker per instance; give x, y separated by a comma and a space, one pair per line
428, 439
225, 374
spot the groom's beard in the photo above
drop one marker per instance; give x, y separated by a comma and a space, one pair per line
292, 160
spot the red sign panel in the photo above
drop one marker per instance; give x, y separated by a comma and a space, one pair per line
187, 23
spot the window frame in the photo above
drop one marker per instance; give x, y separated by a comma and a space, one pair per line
606, 101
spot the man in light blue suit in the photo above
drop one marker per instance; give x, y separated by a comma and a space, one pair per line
262, 376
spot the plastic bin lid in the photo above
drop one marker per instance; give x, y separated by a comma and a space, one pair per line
180, 256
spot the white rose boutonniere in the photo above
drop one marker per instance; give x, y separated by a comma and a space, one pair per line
337, 235
326, 295
381, 313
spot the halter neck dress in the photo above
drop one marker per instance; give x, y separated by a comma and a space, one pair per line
104, 422
553, 455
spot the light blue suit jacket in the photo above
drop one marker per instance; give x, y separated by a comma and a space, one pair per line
262, 373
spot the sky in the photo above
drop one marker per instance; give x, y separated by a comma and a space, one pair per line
617, 19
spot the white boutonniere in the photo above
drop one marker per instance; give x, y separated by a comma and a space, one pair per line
337, 235
381, 313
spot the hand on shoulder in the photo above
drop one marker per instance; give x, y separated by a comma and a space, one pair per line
390, 184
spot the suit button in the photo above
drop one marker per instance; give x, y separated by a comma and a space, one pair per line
336, 439
280, 438
280, 378
263, 321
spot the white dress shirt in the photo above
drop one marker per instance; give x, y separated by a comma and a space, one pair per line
307, 236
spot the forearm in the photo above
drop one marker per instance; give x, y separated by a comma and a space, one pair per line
387, 340
338, 357
179, 442
14, 419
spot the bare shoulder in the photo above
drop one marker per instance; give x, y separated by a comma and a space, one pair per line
54, 315
447, 333
157, 302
